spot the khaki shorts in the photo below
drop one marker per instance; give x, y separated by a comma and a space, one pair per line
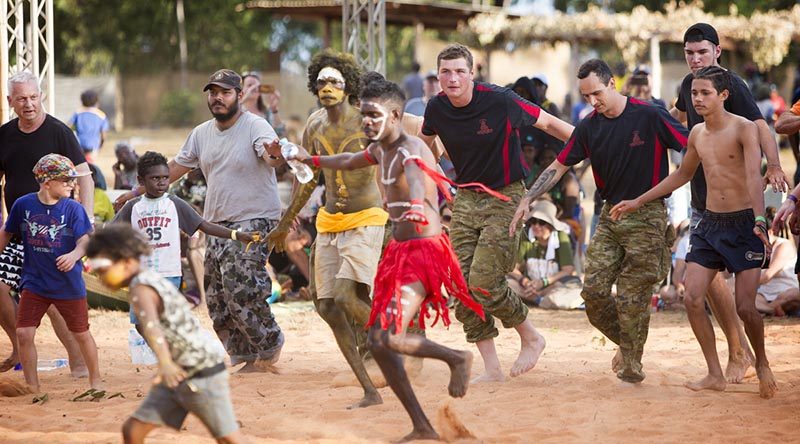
351, 254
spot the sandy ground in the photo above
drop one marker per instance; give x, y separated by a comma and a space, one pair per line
571, 396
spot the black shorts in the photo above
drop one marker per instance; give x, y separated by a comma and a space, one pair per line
726, 241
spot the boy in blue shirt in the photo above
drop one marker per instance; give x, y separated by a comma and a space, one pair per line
54, 230
90, 124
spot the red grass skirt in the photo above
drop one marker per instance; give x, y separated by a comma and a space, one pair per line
432, 262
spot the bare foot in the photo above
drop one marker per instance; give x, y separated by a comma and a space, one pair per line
459, 376
259, 367
9, 363
532, 348
420, 434
366, 401
616, 361
737, 367
79, 371
708, 383
766, 382
489, 376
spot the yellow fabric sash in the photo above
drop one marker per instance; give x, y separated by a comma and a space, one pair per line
338, 222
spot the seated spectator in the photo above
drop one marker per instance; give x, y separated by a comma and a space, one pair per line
103, 208
778, 292
125, 167
544, 274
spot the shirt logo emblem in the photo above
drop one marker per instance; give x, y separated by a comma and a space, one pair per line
637, 141
484, 130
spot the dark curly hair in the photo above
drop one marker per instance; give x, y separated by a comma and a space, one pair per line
384, 90
149, 160
718, 76
345, 63
117, 242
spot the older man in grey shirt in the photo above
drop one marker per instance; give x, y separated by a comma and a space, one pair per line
242, 195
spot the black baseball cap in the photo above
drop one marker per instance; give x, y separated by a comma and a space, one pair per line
706, 31
225, 78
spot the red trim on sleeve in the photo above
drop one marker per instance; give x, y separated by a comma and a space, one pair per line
481, 87
529, 108
506, 154
369, 157
562, 156
659, 151
638, 102
683, 140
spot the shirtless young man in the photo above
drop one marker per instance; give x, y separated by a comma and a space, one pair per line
733, 232
351, 225
417, 262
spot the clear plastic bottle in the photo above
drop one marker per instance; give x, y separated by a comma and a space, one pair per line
45, 365
140, 351
299, 169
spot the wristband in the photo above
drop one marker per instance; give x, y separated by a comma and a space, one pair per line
315, 161
233, 235
545, 282
417, 204
792, 198
761, 219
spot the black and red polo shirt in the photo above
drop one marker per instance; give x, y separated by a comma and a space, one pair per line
629, 152
482, 138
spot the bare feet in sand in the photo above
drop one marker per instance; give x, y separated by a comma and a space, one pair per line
710, 382
616, 361
532, 347
366, 401
79, 371
489, 376
459, 376
766, 382
737, 367
259, 367
419, 435
9, 363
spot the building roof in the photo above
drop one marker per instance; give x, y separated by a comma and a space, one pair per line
439, 14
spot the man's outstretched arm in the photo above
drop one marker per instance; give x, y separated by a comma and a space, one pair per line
554, 126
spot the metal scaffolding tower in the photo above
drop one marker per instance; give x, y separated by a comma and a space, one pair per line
364, 32
27, 42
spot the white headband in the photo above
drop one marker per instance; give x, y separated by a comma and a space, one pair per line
330, 73
98, 262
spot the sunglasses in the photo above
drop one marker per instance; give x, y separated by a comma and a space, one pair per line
539, 222
336, 83
67, 180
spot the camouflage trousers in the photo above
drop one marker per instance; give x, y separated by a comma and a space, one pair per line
237, 288
479, 234
634, 253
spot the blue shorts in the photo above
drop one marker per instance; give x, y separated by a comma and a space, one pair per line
174, 280
726, 241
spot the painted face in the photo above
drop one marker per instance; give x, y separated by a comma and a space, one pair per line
374, 117
455, 77
330, 87
595, 92
223, 103
113, 274
705, 98
701, 54
156, 181
26, 100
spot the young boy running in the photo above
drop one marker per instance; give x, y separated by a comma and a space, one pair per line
54, 230
160, 217
732, 234
191, 371
419, 259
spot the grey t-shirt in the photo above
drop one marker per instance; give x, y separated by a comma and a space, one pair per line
191, 346
241, 186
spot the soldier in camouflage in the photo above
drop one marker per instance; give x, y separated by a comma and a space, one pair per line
625, 140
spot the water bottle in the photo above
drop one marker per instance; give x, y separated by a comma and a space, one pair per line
45, 365
140, 351
299, 169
